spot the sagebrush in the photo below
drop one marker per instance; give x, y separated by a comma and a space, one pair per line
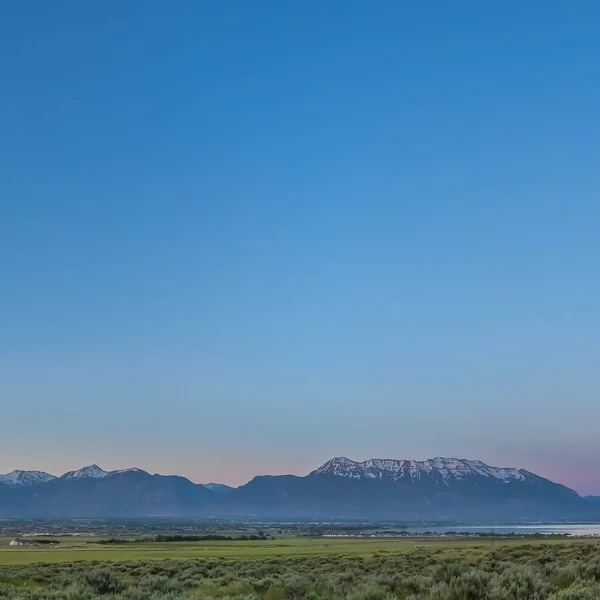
527, 572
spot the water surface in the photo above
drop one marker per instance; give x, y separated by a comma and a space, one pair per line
569, 529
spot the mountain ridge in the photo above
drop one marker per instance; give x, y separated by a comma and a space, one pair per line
335, 465
399, 468
22, 477
448, 488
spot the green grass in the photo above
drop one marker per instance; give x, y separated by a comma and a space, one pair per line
308, 569
78, 549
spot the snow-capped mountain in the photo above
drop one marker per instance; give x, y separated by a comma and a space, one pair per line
16, 478
95, 472
219, 488
130, 470
94, 492
445, 468
439, 488
91, 472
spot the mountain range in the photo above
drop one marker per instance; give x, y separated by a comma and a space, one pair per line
439, 488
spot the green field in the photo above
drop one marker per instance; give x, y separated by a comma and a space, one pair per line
307, 569
294, 568
87, 549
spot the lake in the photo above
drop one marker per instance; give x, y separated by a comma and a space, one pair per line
570, 529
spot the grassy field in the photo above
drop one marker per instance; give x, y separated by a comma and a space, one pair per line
307, 569
87, 549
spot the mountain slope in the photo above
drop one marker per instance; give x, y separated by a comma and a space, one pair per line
218, 488
91, 472
439, 488
26, 478
397, 489
445, 468
93, 492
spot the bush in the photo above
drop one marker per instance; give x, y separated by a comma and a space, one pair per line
565, 571
103, 582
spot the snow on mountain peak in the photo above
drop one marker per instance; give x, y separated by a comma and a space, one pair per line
130, 470
220, 488
342, 466
92, 472
16, 478
446, 468
19, 477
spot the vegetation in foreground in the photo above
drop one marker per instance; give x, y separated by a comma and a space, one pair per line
565, 571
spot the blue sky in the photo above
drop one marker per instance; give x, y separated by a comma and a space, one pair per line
243, 237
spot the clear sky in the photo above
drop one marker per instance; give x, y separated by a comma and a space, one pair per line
243, 237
